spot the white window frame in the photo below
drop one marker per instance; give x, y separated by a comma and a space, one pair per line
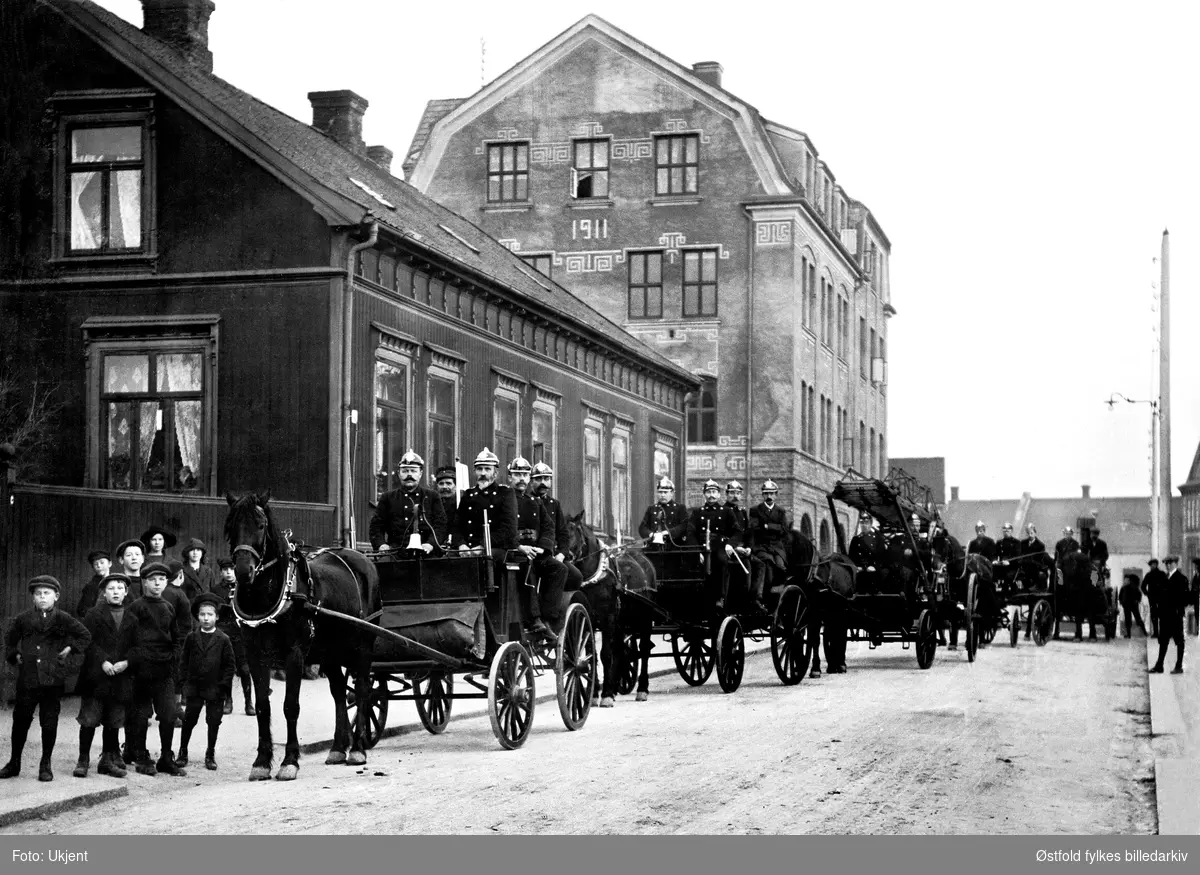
593, 418
622, 429
394, 351
546, 402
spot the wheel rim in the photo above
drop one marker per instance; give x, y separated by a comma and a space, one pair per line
694, 658
511, 695
789, 637
731, 655
376, 713
628, 665
434, 695
1014, 627
926, 640
1043, 623
575, 668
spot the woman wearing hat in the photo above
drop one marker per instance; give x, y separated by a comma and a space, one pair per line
158, 541
198, 575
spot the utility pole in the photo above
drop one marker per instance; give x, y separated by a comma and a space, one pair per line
1162, 542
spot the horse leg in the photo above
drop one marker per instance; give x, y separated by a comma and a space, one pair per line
813, 640
294, 670
608, 645
341, 723
361, 660
644, 647
260, 674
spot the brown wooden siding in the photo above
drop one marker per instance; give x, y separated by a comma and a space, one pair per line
50, 530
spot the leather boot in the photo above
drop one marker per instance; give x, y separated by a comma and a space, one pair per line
210, 760
81, 767
44, 772
145, 765
11, 770
166, 765
228, 707
182, 759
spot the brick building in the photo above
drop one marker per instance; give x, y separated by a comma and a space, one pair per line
716, 236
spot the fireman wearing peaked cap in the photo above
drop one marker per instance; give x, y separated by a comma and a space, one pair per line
535, 553
719, 531
982, 544
408, 510
665, 523
768, 531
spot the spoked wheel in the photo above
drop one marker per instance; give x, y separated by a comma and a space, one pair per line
1043, 622
434, 695
627, 665
988, 635
376, 713
972, 620
694, 658
1014, 627
575, 667
926, 638
511, 695
789, 636
731, 654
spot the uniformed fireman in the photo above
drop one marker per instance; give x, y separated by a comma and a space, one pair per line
543, 482
1031, 543
536, 541
1066, 544
447, 489
1008, 549
769, 527
499, 503
981, 543
719, 531
867, 552
409, 510
733, 501
665, 524
1099, 550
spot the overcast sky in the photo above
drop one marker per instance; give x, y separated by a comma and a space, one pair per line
1023, 159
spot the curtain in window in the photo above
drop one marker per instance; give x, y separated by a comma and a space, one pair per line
125, 208
180, 372
86, 227
148, 428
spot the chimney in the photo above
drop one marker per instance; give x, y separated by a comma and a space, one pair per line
382, 156
709, 71
1087, 491
954, 493
339, 116
182, 25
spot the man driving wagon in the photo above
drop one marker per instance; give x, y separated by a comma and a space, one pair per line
544, 576
718, 530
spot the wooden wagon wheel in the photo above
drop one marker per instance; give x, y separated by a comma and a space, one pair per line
511, 695
376, 713
627, 664
972, 619
575, 667
694, 658
926, 638
434, 696
1014, 626
789, 636
731, 654
1043, 622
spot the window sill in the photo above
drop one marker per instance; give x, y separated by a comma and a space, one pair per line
123, 259
507, 207
596, 203
675, 200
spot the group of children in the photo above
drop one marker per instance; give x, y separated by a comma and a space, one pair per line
142, 655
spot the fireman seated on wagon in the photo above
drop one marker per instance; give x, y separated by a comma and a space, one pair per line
718, 530
544, 577
411, 517
665, 528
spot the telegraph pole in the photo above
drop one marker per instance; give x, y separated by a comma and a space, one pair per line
1162, 545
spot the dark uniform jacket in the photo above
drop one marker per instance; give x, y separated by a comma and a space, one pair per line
558, 520
1065, 546
768, 529
1175, 596
719, 523
157, 642
1008, 548
1099, 551
671, 518
206, 665
500, 502
450, 507
110, 643
1032, 545
39, 637
88, 596
867, 549
197, 580
984, 546
743, 515
395, 512
534, 526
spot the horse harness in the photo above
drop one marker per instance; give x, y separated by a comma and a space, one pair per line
298, 584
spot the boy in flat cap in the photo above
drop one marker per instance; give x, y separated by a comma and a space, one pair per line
106, 683
206, 669
38, 643
227, 623
154, 660
89, 596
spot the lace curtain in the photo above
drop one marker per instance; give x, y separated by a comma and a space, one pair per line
181, 373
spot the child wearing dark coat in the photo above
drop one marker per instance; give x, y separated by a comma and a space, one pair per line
227, 623
38, 643
206, 669
89, 596
154, 660
106, 683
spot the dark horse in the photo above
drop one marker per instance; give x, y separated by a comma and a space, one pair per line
279, 590
828, 583
1078, 597
959, 567
603, 573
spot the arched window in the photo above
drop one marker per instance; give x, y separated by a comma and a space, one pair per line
806, 527
702, 414
823, 543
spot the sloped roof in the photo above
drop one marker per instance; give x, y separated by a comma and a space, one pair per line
1194, 472
434, 111
338, 179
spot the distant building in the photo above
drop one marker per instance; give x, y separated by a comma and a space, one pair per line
1190, 498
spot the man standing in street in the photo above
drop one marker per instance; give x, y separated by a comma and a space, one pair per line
1154, 585
1171, 605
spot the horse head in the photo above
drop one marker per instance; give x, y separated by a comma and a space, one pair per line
583, 546
252, 534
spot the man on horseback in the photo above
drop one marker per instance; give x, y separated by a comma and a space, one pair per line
665, 525
543, 481
982, 544
545, 575
410, 515
769, 526
719, 531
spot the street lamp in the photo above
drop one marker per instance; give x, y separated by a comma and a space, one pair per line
1155, 499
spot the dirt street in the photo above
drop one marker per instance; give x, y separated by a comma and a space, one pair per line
1031, 740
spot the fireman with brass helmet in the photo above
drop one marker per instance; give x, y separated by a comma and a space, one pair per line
544, 575
410, 517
